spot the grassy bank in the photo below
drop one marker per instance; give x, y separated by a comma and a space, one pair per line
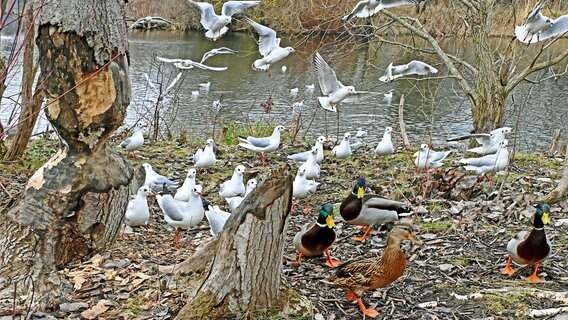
439, 17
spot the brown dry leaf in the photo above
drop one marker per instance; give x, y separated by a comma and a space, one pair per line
97, 260
96, 310
142, 275
137, 282
78, 280
110, 275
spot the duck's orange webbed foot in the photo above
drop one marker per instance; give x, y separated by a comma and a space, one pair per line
329, 261
363, 237
369, 312
508, 270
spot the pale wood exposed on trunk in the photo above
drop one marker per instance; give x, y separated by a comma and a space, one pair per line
240, 272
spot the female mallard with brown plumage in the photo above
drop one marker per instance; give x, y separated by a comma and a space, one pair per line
359, 276
369, 209
316, 238
530, 248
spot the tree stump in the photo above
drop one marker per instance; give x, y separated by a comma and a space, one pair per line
74, 204
239, 273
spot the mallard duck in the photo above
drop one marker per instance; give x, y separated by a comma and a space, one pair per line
316, 238
530, 248
359, 276
370, 210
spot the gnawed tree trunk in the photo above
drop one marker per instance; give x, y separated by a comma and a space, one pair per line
240, 272
561, 191
73, 205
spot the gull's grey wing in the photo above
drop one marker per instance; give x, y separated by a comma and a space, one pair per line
149, 81
358, 8
170, 207
359, 96
259, 142
205, 67
419, 67
326, 76
206, 56
225, 50
160, 180
126, 142
232, 7
485, 161
266, 39
168, 60
385, 4
560, 27
436, 156
208, 16
171, 86
535, 13
217, 219
162, 19
482, 138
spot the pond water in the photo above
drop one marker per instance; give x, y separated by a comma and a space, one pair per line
434, 109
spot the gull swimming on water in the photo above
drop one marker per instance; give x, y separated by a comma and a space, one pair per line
205, 86
303, 156
427, 158
334, 91
413, 67
343, 150
188, 64
367, 8
268, 46
216, 25
538, 27
385, 146
216, 51
262, 145
360, 133
489, 141
388, 96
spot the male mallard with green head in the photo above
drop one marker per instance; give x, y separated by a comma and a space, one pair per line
359, 276
530, 248
316, 238
369, 209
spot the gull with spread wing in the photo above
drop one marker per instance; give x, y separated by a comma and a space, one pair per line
268, 46
489, 141
413, 67
216, 51
216, 25
538, 27
188, 64
367, 8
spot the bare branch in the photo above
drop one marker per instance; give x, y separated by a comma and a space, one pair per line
534, 68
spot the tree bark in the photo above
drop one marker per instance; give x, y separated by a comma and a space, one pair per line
29, 111
73, 205
240, 272
561, 191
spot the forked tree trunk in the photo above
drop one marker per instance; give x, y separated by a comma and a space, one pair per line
73, 205
561, 191
240, 273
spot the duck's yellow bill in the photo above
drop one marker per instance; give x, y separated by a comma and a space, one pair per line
360, 192
329, 221
545, 218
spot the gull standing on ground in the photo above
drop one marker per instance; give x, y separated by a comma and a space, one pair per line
136, 141
262, 145
234, 202
385, 146
490, 163
216, 51
153, 179
205, 158
188, 64
367, 8
489, 141
268, 46
234, 186
343, 150
302, 188
217, 219
311, 166
388, 96
137, 213
332, 88
216, 25
538, 27
427, 158
413, 67
303, 156
184, 192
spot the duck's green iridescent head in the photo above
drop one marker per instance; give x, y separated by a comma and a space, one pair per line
541, 216
326, 215
359, 188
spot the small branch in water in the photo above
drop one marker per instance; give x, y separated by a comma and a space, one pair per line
401, 122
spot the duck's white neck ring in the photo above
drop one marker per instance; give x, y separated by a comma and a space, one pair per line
321, 225
353, 193
539, 229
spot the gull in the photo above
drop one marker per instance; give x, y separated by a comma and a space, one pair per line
343, 150
284, 68
311, 166
427, 158
303, 156
413, 67
217, 219
234, 186
216, 51
388, 96
181, 215
136, 141
205, 158
297, 107
332, 88
149, 22
234, 202
489, 141
188, 64
310, 87
294, 91
137, 213
184, 192
302, 188
268, 46
360, 133
153, 179
217, 105
357, 144
216, 25
205, 86
367, 8
262, 145
385, 146
195, 93
538, 27
489, 163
